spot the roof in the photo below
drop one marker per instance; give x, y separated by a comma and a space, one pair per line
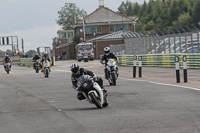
115, 35
134, 35
103, 14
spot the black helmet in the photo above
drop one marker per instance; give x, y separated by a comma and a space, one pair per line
106, 50
7, 55
74, 68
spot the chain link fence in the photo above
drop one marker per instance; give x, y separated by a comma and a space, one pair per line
178, 40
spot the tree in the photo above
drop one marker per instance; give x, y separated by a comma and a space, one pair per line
75, 41
184, 19
195, 12
69, 14
30, 53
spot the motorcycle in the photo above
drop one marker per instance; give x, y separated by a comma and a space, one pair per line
7, 67
92, 91
37, 66
46, 68
111, 73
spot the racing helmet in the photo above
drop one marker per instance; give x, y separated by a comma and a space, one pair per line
106, 50
7, 55
74, 68
44, 54
36, 54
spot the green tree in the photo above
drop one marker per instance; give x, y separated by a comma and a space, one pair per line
30, 53
184, 19
196, 11
75, 40
69, 14
2, 53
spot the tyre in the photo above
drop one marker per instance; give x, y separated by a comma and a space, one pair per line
46, 73
95, 100
85, 60
37, 70
7, 71
105, 104
113, 78
79, 60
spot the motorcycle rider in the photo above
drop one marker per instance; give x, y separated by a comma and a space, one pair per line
45, 56
36, 57
7, 59
78, 72
108, 55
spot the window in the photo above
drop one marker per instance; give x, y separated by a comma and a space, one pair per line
98, 29
90, 29
112, 29
70, 35
120, 26
62, 35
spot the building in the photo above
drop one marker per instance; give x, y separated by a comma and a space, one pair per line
109, 22
62, 44
98, 24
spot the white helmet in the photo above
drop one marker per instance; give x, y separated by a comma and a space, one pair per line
74, 68
106, 50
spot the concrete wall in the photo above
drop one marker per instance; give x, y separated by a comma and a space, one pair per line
15, 60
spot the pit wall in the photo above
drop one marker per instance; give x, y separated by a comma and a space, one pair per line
29, 62
161, 60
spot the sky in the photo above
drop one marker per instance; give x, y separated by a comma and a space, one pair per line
35, 20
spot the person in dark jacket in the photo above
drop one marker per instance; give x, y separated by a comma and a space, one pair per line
45, 56
36, 57
107, 55
78, 72
7, 59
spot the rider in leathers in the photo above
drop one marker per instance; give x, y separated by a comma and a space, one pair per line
45, 56
107, 55
7, 59
36, 57
77, 72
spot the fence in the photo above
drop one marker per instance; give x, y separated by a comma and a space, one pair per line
161, 60
178, 40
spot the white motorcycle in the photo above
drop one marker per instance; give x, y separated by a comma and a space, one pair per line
111, 73
7, 67
46, 68
92, 91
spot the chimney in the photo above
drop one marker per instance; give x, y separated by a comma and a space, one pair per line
101, 3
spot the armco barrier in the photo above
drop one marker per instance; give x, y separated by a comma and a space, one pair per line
161, 60
15, 59
26, 62
29, 62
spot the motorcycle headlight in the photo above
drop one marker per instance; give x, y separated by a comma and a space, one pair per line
46, 65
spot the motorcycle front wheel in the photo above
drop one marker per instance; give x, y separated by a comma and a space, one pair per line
95, 100
46, 73
113, 79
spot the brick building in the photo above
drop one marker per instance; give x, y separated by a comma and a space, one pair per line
100, 23
62, 44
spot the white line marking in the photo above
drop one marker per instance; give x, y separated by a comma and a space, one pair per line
192, 88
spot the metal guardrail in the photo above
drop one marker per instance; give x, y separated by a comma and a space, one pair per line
29, 62
26, 62
15, 59
161, 60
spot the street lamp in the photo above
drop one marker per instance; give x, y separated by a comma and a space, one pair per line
81, 30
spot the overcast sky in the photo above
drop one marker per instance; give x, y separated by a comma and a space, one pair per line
35, 20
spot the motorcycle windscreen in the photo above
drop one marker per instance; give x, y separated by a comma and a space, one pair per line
85, 82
